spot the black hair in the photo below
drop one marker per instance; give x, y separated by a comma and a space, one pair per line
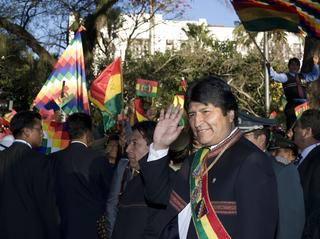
294, 60
146, 129
114, 136
264, 131
78, 124
211, 89
311, 118
23, 119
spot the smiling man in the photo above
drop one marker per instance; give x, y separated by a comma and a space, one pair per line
227, 189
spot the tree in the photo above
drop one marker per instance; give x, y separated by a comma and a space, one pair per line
20, 72
312, 48
198, 36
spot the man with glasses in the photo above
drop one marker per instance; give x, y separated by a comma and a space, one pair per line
27, 201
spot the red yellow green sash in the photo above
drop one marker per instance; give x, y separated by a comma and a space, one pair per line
205, 220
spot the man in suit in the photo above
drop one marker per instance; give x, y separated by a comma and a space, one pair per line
290, 193
227, 189
83, 179
307, 138
27, 201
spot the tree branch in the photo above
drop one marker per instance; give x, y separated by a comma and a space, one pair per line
28, 39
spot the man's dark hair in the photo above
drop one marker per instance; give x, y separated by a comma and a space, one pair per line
211, 89
146, 129
114, 137
294, 60
23, 119
78, 124
264, 131
311, 118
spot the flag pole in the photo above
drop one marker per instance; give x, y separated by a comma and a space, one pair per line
256, 44
122, 98
266, 74
265, 56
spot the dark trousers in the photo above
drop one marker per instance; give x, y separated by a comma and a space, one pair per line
290, 113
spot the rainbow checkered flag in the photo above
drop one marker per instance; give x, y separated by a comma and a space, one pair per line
66, 86
55, 137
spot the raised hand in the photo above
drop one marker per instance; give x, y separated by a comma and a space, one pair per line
167, 129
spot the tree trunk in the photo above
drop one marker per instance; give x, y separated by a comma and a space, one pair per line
311, 48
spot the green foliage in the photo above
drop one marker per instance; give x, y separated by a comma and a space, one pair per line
243, 73
21, 75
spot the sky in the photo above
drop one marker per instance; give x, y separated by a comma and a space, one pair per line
215, 11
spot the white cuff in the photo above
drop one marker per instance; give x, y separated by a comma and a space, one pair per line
156, 154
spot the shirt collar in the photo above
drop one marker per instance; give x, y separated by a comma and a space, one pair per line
222, 141
307, 150
23, 141
79, 142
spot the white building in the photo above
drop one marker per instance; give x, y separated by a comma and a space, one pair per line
168, 34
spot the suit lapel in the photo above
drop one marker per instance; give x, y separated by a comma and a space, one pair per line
303, 168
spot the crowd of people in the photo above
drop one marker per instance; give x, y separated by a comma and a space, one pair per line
227, 174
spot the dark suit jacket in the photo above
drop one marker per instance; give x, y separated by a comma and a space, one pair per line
135, 212
27, 201
291, 203
242, 188
309, 171
83, 179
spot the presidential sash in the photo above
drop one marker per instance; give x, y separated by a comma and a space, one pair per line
205, 219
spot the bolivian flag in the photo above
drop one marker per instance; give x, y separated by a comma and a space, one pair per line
262, 16
106, 91
146, 88
140, 114
178, 100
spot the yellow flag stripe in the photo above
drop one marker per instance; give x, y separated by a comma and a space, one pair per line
114, 87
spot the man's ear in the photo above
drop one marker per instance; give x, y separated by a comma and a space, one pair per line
231, 116
307, 132
26, 132
262, 139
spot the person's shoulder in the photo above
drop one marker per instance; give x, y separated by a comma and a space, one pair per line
245, 148
94, 153
315, 151
250, 154
34, 154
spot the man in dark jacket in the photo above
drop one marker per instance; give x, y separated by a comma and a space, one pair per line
27, 201
290, 193
227, 189
83, 179
307, 138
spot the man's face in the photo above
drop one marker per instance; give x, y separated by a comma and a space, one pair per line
299, 135
294, 67
136, 149
34, 134
284, 153
259, 141
208, 123
112, 150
